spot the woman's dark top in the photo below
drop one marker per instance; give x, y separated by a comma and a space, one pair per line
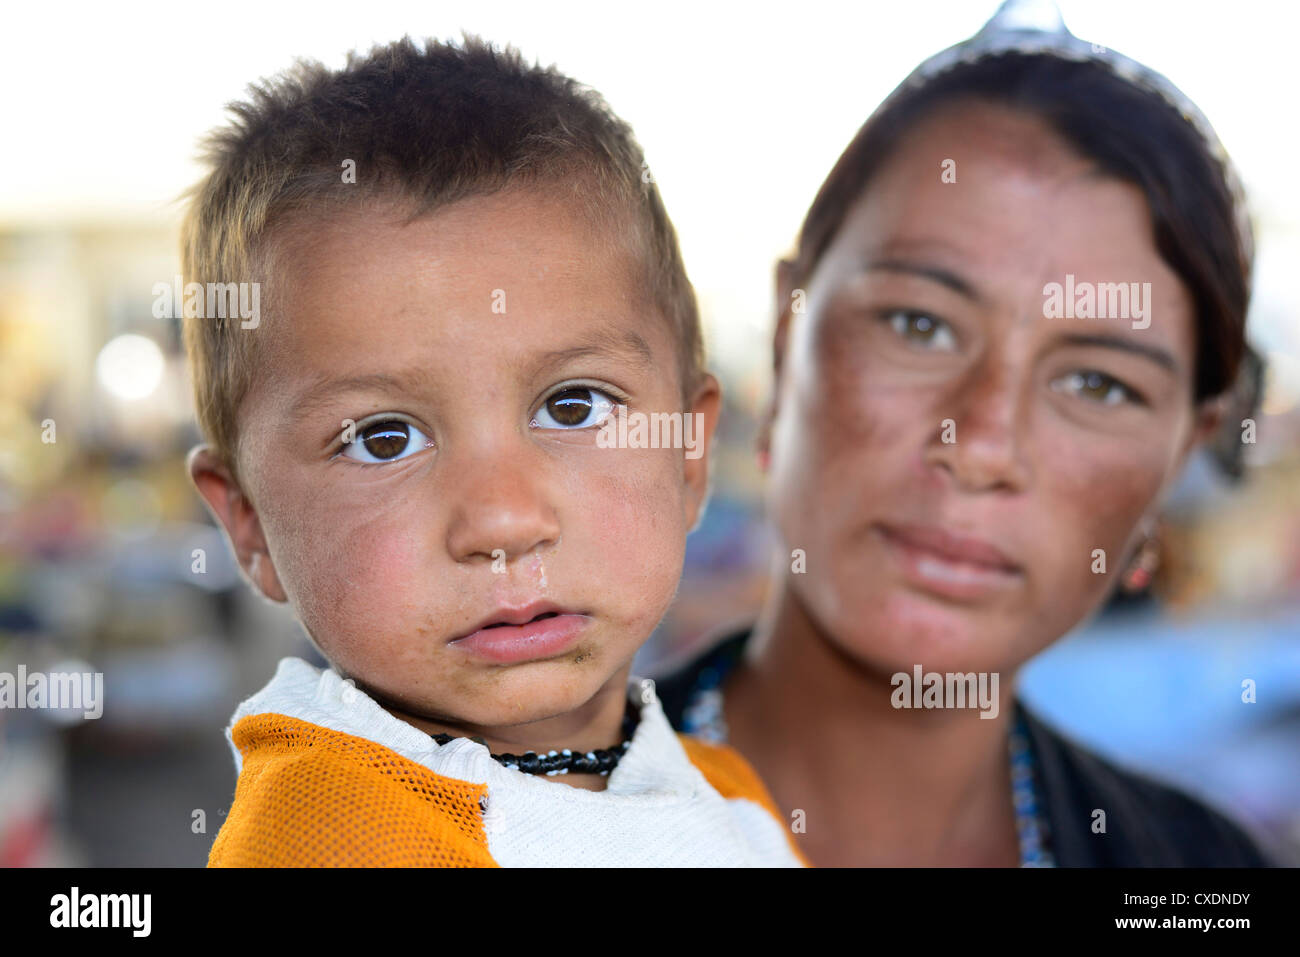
1147, 824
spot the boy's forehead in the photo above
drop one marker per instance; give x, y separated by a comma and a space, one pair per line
516, 234
515, 277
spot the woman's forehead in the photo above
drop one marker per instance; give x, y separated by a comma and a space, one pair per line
993, 186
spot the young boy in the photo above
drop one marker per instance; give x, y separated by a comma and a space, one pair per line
462, 273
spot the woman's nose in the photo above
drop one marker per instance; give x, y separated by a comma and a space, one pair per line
981, 440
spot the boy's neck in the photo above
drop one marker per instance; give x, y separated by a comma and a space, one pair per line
598, 723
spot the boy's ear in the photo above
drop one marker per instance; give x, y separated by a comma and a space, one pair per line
235, 513
707, 405
785, 308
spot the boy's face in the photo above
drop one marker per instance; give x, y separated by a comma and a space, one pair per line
476, 351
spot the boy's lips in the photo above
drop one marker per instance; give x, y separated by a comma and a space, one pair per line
525, 633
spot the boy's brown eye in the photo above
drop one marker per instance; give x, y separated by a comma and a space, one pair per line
385, 442
570, 407
577, 407
387, 439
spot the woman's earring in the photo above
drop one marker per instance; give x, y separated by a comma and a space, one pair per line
1137, 577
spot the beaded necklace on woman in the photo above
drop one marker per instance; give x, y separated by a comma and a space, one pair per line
704, 718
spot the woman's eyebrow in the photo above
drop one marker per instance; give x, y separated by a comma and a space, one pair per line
1161, 357
927, 271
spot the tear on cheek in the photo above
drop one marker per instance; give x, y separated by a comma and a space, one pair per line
539, 571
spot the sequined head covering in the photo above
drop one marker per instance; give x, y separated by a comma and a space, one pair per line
1036, 28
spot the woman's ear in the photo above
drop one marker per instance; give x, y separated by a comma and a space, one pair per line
1230, 419
1210, 414
1207, 428
789, 302
236, 514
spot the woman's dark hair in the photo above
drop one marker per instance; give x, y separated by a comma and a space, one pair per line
1132, 134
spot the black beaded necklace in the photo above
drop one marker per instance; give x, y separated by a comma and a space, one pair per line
601, 761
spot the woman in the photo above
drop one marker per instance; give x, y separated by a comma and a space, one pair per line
1016, 308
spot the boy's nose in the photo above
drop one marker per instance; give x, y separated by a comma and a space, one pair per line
502, 507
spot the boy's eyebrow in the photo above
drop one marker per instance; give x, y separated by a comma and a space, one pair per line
628, 346
324, 389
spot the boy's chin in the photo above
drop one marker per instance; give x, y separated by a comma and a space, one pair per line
509, 698
540, 696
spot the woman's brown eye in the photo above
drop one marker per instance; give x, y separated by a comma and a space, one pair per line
385, 442
923, 326
1096, 386
922, 329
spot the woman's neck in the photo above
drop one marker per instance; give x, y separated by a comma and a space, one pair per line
878, 785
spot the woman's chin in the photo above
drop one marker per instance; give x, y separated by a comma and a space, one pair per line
902, 629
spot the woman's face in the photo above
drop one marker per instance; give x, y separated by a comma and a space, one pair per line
954, 459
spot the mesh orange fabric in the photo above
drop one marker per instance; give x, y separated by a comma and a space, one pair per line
310, 796
732, 777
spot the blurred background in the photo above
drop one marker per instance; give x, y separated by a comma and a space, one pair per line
108, 561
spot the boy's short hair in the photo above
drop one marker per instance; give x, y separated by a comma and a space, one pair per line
427, 126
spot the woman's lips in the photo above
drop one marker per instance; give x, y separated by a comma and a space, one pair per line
523, 635
950, 565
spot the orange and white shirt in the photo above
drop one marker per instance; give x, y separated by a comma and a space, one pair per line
329, 778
